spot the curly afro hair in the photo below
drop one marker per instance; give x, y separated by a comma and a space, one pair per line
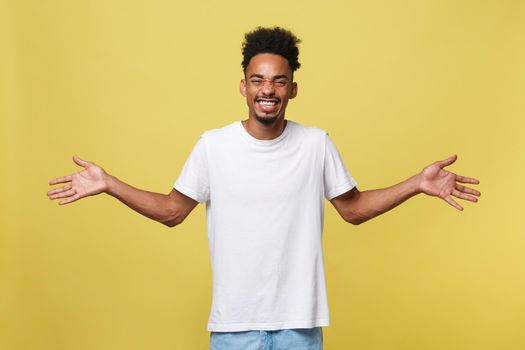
274, 40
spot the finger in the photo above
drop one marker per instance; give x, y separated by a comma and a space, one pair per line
69, 200
466, 180
58, 190
60, 180
64, 194
80, 162
464, 196
468, 190
453, 203
447, 162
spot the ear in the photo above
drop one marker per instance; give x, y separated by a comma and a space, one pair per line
294, 90
243, 87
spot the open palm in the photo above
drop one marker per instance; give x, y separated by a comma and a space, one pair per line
436, 181
87, 182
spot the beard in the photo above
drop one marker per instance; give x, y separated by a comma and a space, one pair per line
266, 120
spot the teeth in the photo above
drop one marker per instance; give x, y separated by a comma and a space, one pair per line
268, 103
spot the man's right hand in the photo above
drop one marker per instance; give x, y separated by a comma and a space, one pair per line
169, 209
88, 182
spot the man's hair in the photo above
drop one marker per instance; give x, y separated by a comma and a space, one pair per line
274, 40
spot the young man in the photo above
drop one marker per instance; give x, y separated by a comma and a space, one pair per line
264, 181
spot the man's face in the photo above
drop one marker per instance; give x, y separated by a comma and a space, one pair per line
267, 87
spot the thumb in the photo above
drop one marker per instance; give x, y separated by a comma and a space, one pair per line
448, 161
80, 162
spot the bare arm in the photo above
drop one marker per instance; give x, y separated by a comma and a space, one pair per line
357, 207
169, 209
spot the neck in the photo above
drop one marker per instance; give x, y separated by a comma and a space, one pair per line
264, 132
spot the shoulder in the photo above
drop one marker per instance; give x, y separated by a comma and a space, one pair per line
220, 133
310, 132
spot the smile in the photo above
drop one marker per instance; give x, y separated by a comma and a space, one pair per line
268, 103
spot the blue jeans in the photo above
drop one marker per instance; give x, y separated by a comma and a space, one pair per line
283, 339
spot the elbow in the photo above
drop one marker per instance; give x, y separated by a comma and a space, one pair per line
173, 218
354, 219
172, 223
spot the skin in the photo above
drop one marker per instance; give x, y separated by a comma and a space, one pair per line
268, 78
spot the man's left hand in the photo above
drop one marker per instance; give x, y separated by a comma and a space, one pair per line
438, 182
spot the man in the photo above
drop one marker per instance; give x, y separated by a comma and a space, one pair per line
264, 181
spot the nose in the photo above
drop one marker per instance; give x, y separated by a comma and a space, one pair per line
268, 87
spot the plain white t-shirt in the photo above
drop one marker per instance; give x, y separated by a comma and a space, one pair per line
265, 211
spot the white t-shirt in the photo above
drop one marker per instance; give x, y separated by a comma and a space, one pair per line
265, 210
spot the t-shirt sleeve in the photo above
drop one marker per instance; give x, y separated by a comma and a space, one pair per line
337, 179
193, 180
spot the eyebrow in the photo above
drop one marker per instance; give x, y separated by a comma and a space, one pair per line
280, 76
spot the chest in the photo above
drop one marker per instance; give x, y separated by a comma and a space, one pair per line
279, 174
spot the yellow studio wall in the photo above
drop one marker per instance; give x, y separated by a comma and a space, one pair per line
132, 84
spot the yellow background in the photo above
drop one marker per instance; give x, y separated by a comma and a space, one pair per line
132, 84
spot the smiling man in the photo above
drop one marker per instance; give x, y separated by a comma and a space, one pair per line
264, 181
268, 87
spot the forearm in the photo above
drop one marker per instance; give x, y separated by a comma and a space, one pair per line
155, 206
372, 203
